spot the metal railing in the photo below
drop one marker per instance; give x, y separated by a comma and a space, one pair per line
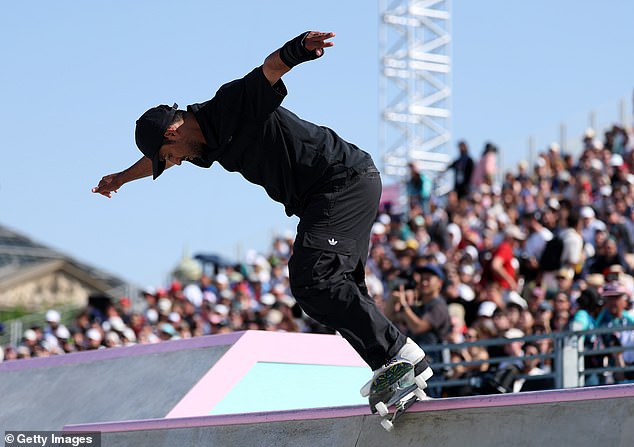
567, 358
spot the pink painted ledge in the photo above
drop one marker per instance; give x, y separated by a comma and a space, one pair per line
457, 403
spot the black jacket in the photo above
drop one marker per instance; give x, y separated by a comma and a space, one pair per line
248, 132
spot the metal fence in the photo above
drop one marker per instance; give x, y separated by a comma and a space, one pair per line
569, 359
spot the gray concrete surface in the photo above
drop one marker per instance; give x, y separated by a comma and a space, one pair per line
127, 388
127, 394
590, 423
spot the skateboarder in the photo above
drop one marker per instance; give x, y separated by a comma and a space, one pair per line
330, 184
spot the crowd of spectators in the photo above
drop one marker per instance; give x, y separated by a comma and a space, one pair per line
542, 248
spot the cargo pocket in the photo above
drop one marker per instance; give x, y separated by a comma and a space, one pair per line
320, 258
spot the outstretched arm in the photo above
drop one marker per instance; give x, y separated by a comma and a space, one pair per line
305, 47
112, 182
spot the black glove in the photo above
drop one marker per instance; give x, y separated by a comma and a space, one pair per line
294, 52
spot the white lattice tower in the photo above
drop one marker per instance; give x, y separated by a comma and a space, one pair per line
415, 45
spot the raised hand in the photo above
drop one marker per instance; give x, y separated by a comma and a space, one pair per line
316, 41
108, 184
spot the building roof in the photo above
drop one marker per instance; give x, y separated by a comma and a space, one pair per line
20, 254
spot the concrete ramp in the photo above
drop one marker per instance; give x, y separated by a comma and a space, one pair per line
220, 374
580, 417
138, 382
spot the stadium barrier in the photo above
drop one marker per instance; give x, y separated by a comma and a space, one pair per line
570, 362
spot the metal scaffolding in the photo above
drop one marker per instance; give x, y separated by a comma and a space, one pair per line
415, 93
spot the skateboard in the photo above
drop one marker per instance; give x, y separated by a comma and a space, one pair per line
399, 388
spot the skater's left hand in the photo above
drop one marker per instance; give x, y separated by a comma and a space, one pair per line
316, 41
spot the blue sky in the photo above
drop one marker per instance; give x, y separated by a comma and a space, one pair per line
76, 75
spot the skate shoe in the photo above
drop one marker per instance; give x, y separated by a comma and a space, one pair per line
410, 356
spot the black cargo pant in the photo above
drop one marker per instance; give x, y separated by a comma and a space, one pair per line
327, 268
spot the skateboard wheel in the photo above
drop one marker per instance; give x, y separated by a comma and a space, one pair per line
427, 373
381, 408
387, 424
420, 382
420, 394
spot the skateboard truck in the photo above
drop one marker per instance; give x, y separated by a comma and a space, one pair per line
403, 405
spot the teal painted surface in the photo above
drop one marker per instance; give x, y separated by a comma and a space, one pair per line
283, 386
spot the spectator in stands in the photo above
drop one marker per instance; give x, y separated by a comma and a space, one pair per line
30, 341
49, 339
502, 269
419, 188
535, 298
463, 169
21, 352
112, 340
589, 303
166, 331
545, 345
560, 320
616, 224
544, 315
473, 353
94, 338
64, 340
522, 172
531, 367
550, 218
53, 319
572, 250
561, 302
564, 281
465, 285
526, 321
615, 315
514, 306
486, 168
538, 236
508, 370
608, 255
426, 318
590, 224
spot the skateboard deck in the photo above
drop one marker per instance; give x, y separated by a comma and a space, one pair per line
393, 375
400, 390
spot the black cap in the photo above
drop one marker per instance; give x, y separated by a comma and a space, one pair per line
149, 134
